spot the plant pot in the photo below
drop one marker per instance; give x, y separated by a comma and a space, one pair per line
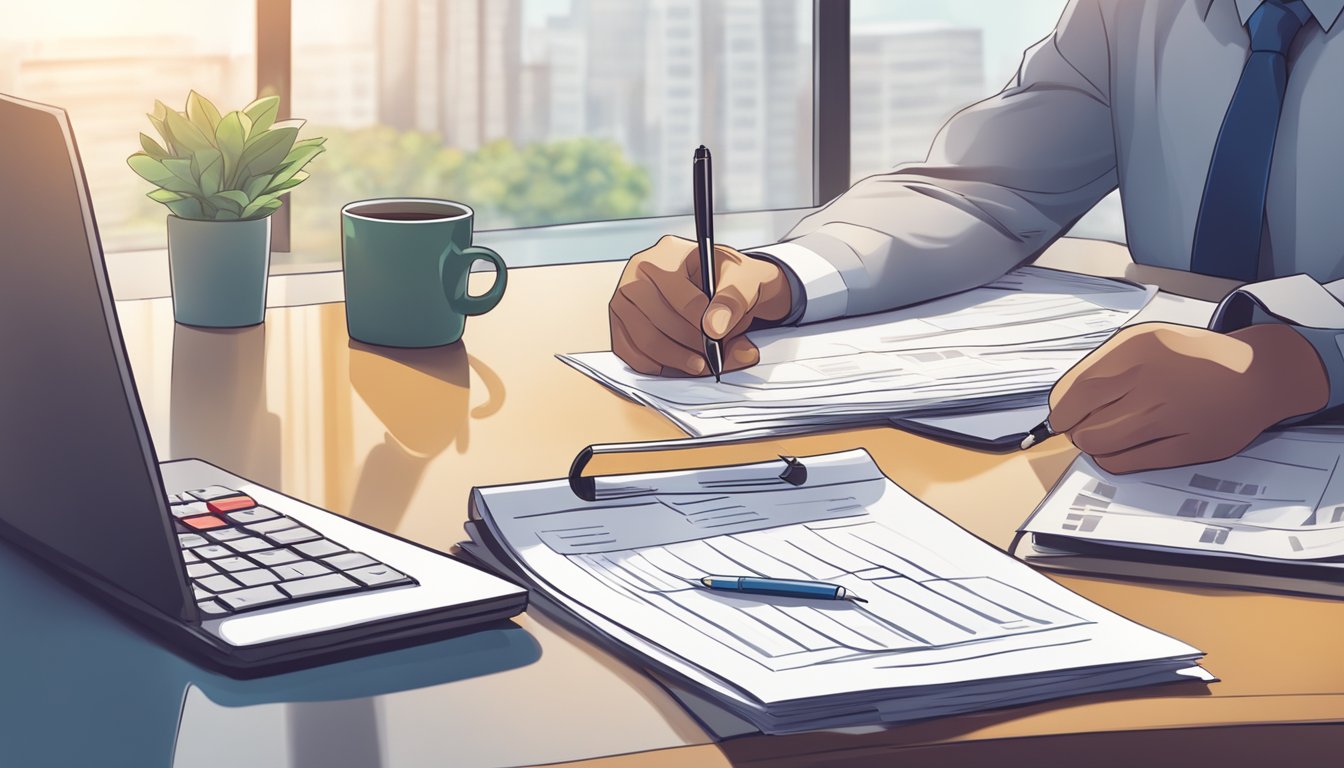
218, 271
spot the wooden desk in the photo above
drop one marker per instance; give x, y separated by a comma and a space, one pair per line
397, 439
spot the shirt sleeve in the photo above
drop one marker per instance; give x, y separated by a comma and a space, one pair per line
1003, 179
1312, 309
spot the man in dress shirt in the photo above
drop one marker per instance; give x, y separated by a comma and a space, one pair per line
1220, 121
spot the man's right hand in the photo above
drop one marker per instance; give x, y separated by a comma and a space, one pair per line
659, 314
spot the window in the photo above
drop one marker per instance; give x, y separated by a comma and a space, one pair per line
106, 63
913, 64
541, 112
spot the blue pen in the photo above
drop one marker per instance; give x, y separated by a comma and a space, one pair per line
750, 585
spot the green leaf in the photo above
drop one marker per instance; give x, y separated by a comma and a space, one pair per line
290, 183
253, 207
188, 208
256, 185
297, 158
181, 168
202, 113
267, 151
156, 173
224, 214
230, 137
211, 174
165, 196
262, 113
152, 148
264, 210
185, 135
230, 200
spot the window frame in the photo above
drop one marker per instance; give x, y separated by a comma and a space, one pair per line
830, 94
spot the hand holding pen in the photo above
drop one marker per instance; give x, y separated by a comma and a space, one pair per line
661, 314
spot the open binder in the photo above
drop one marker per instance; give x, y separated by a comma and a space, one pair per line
951, 624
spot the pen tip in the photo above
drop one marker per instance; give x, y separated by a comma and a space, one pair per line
1027, 442
706, 582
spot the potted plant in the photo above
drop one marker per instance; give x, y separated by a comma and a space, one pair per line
221, 178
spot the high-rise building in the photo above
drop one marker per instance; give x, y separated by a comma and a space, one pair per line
616, 32
338, 85
906, 81
758, 86
450, 67
567, 88
107, 85
674, 100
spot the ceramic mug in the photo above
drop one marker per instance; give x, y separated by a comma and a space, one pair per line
406, 265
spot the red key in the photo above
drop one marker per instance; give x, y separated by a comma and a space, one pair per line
205, 522
230, 504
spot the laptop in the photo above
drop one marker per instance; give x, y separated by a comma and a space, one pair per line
244, 578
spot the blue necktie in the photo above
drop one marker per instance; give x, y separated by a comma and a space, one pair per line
1232, 213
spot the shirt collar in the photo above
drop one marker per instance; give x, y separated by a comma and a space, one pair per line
1326, 11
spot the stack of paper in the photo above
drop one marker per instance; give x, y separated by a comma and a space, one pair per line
951, 624
993, 348
1278, 503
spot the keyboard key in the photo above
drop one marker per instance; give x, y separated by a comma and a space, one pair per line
254, 515
205, 522
349, 561
189, 557
218, 583
179, 498
322, 585
248, 544
292, 536
255, 597
212, 608
200, 594
255, 577
190, 540
270, 526
378, 575
232, 564
231, 504
275, 556
225, 534
190, 509
212, 551
210, 493
319, 548
300, 570
201, 570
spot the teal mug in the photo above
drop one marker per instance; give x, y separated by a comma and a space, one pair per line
406, 265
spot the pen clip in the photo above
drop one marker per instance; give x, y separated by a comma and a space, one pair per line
794, 472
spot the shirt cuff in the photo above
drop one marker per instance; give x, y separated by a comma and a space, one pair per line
1306, 305
822, 296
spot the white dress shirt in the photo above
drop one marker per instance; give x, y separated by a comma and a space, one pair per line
1124, 93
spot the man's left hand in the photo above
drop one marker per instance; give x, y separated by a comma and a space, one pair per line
1161, 395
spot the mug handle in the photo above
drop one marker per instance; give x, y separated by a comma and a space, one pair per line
478, 305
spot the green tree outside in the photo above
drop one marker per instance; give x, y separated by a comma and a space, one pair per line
570, 180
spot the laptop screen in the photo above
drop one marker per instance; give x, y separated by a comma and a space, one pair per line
78, 474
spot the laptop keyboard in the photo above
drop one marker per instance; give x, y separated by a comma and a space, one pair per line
241, 556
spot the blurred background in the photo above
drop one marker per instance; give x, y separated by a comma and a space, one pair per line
535, 112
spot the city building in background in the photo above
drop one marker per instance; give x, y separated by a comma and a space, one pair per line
533, 111
906, 79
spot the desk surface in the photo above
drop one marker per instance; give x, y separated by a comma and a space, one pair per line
396, 438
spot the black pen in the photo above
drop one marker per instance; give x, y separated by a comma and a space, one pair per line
704, 236
1038, 434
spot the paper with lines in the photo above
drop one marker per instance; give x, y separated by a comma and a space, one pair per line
1001, 346
1280, 499
952, 624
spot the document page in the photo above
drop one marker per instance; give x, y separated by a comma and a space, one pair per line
999, 346
1280, 499
943, 607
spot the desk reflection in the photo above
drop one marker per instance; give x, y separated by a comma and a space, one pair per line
85, 687
422, 397
218, 409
